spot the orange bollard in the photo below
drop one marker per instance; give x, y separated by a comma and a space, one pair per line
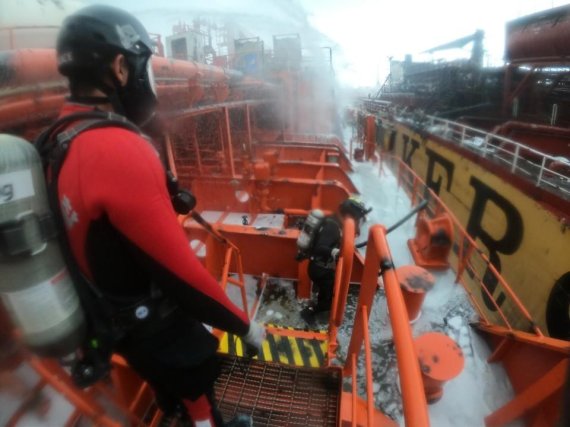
440, 359
415, 282
432, 244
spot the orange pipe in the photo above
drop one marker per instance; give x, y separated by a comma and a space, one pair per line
347, 258
368, 364
415, 408
22, 110
354, 387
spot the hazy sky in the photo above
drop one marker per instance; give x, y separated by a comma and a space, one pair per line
364, 33
369, 31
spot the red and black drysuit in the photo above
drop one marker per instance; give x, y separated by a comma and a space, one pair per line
125, 237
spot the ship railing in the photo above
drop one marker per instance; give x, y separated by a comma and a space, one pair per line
232, 254
378, 261
491, 295
546, 171
365, 333
376, 105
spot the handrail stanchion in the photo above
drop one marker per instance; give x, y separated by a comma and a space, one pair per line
541, 172
515, 159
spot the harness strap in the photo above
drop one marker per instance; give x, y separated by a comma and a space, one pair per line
54, 145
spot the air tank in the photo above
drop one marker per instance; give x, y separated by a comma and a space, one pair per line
35, 285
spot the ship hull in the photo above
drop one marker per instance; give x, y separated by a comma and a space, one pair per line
526, 238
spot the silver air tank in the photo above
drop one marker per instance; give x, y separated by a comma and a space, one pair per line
35, 285
309, 229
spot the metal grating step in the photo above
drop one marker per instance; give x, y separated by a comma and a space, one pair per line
278, 395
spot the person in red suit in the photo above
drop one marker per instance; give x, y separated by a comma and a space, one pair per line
120, 223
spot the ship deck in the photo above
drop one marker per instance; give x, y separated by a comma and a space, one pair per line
479, 390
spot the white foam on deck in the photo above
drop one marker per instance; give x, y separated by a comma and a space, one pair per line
481, 388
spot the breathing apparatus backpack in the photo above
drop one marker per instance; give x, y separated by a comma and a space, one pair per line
59, 311
308, 233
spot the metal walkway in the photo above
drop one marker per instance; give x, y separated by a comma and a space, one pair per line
278, 395
287, 347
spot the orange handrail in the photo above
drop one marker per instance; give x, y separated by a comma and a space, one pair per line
468, 248
231, 249
58, 378
354, 413
368, 367
341, 285
378, 254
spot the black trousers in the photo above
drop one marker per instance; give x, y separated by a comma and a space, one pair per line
323, 279
177, 358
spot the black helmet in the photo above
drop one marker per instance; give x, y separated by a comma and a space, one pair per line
354, 207
88, 41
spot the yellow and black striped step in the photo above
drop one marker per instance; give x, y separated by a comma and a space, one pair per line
282, 348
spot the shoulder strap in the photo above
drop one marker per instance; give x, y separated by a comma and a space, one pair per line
101, 314
53, 145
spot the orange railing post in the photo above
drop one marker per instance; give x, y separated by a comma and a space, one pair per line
59, 379
348, 232
378, 255
341, 285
